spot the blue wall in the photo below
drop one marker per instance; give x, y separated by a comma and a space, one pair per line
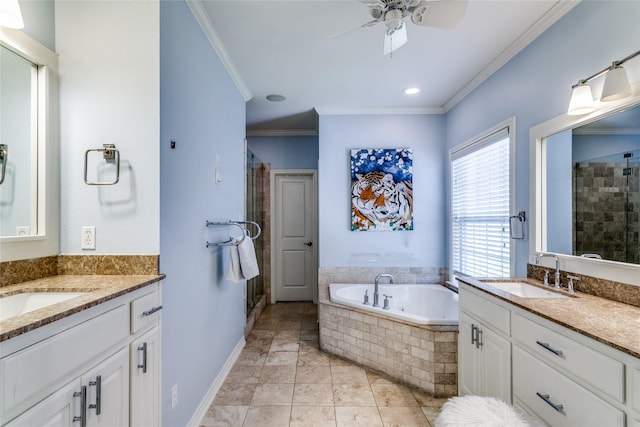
286, 152
535, 85
39, 21
560, 193
203, 112
421, 247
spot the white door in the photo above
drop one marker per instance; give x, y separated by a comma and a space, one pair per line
57, 410
145, 380
294, 225
108, 391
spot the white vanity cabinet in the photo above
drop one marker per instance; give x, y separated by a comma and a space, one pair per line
83, 370
484, 355
557, 375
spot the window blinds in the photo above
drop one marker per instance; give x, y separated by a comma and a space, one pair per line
480, 201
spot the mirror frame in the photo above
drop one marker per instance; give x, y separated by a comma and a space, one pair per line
604, 269
46, 241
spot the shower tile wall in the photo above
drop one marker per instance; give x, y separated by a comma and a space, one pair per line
602, 210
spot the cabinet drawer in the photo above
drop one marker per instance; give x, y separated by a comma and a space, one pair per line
145, 310
492, 314
576, 406
33, 372
596, 369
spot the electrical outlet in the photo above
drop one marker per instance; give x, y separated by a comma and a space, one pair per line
174, 396
88, 237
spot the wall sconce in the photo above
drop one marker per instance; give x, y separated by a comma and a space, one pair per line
616, 86
10, 15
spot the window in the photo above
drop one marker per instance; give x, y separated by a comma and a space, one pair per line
481, 190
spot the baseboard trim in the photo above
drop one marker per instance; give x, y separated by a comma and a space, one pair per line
199, 414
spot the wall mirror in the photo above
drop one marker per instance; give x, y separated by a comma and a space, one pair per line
585, 179
29, 155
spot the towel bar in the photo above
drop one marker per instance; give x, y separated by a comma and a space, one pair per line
231, 241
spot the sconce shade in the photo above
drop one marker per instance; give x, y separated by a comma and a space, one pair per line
581, 100
10, 15
616, 84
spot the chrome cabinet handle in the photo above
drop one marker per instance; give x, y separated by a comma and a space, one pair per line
548, 347
143, 349
153, 310
4, 158
82, 394
98, 384
474, 334
546, 398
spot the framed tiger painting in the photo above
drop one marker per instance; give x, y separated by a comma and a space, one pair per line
381, 189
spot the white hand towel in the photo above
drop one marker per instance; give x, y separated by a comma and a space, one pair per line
248, 261
234, 273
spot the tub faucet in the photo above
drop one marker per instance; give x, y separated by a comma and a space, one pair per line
375, 291
557, 274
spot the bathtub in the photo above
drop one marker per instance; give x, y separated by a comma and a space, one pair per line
420, 304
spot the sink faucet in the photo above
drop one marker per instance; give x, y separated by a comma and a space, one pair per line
557, 275
375, 292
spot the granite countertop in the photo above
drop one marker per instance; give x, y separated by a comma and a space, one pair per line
610, 322
99, 288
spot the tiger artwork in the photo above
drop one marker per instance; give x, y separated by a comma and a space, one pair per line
379, 202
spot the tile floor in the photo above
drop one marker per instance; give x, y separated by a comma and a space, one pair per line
281, 379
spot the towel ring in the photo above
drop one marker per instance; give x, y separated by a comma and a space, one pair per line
232, 241
109, 153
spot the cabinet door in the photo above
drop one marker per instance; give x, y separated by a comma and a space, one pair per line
469, 363
57, 410
496, 364
108, 391
145, 379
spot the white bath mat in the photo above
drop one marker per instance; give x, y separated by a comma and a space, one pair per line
477, 411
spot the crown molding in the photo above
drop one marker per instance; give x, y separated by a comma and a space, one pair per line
561, 8
199, 12
339, 111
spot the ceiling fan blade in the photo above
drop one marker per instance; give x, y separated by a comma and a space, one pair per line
395, 39
440, 14
366, 24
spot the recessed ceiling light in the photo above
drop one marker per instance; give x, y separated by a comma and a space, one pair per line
276, 98
411, 90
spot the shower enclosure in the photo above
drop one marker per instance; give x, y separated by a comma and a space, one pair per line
255, 212
607, 207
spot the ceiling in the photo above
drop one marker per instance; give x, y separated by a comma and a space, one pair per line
286, 48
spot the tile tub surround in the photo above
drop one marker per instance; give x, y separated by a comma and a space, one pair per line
13, 272
423, 356
281, 378
615, 291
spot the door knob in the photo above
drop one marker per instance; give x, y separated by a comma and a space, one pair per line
309, 243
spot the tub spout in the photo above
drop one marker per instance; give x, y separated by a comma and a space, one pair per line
375, 292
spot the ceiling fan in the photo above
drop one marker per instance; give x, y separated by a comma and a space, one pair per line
441, 14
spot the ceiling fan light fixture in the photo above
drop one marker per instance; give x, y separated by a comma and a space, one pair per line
581, 100
411, 90
616, 84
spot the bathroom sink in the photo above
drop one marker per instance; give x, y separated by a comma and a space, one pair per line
15, 305
525, 290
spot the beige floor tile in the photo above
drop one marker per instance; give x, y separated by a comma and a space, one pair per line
403, 417
244, 374
349, 374
278, 374
261, 334
431, 414
310, 308
312, 416
287, 334
224, 416
289, 325
393, 395
284, 346
314, 358
308, 334
272, 394
281, 358
251, 357
234, 394
313, 374
259, 345
313, 394
338, 361
309, 345
428, 400
358, 416
268, 416
378, 379
353, 395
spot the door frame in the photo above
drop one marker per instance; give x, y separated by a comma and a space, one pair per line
272, 203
